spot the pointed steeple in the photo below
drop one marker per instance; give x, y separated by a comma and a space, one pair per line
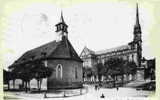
137, 37
62, 19
137, 26
61, 28
137, 16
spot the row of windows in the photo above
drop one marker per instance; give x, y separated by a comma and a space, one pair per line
114, 54
127, 57
61, 27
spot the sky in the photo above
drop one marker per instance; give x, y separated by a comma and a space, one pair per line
98, 26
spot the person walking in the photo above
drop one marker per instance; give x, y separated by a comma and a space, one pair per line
117, 88
96, 87
102, 96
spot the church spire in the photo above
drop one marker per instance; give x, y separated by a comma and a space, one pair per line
137, 16
138, 37
62, 19
137, 26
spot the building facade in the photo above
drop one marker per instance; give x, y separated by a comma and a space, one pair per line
132, 51
149, 65
58, 55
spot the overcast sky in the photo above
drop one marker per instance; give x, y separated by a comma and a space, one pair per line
95, 25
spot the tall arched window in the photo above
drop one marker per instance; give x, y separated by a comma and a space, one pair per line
59, 71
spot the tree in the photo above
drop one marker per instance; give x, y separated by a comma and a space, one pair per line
130, 68
100, 70
114, 67
87, 72
30, 70
14, 75
6, 77
40, 72
24, 73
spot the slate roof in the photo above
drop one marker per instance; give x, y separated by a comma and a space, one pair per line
52, 50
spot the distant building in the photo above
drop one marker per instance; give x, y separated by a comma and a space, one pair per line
60, 56
149, 66
132, 51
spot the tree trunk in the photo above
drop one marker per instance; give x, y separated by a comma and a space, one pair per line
8, 85
114, 84
13, 83
23, 84
127, 77
122, 79
29, 85
26, 86
40, 84
133, 77
37, 84
99, 78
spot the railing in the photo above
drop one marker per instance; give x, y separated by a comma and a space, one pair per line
66, 93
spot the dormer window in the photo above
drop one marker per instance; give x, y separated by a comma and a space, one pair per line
32, 58
43, 53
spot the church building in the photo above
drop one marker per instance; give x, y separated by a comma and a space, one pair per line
132, 51
60, 56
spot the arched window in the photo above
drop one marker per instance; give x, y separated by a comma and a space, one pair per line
59, 71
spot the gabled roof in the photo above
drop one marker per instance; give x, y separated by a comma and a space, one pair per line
90, 52
87, 51
122, 47
52, 50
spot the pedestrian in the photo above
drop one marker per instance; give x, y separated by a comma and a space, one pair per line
117, 88
99, 86
45, 95
80, 91
102, 96
64, 94
96, 87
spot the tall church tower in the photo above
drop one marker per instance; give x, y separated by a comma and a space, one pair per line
61, 29
138, 38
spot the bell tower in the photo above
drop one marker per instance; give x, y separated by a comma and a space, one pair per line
137, 42
61, 29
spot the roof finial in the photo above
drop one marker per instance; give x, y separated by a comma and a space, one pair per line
62, 19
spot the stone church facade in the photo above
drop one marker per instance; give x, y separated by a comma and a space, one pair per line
132, 51
58, 55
